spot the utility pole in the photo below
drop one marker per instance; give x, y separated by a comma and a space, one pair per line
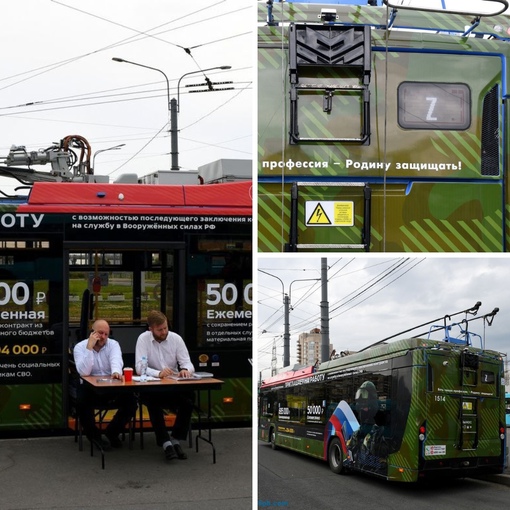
286, 331
324, 311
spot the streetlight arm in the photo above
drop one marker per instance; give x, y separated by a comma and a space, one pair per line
172, 119
117, 59
281, 281
172, 106
116, 147
197, 72
302, 280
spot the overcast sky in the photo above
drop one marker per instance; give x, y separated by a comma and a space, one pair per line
57, 78
57, 57
374, 297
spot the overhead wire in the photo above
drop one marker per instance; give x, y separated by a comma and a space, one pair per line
217, 108
99, 103
361, 291
371, 283
417, 262
145, 34
148, 94
138, 32
94, 99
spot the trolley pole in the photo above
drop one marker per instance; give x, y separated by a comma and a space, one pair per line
324, 311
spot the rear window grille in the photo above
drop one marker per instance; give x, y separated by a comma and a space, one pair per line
490, 133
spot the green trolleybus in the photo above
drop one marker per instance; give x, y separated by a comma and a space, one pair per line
403, 411
383, 128
72, 252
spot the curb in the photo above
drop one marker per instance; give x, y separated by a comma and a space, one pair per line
500, 479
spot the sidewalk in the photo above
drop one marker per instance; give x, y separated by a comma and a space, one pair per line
503, 479
46, 473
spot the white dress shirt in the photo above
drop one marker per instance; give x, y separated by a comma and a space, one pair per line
170, 353
105, 362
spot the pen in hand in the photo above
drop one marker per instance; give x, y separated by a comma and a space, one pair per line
166, 372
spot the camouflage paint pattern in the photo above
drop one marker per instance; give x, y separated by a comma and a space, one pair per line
428, 190
46, 409
461, 410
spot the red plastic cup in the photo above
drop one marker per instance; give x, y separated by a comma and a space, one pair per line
128, 374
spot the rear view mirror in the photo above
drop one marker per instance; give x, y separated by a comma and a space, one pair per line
473, 7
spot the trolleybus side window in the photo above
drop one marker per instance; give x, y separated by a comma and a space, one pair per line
338, 390
401, 394
297, 406
268, 405
445, 106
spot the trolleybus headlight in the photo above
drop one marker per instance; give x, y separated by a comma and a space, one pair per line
502, 433
421, 437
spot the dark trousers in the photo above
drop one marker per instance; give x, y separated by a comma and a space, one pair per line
180, 403
88, 402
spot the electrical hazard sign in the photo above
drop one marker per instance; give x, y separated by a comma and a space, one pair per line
329, 214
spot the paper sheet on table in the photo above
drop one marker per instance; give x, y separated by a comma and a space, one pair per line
195, 375
149, 378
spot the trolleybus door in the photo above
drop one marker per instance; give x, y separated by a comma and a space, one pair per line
122, 286
452, 413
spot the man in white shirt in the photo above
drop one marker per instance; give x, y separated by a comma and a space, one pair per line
167, 355
102, 356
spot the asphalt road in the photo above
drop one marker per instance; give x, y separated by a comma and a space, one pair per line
51, 473
290, 480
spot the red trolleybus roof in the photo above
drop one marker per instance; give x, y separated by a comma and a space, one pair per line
288, 376
219, 199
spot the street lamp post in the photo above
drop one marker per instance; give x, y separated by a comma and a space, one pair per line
286, 312
117, 59
286, 328
173, 106
116, 147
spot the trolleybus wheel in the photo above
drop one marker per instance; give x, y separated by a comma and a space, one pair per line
335, 456
272, 438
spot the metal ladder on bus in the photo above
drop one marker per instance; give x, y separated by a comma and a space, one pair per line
320, 50
293, 245
468, 412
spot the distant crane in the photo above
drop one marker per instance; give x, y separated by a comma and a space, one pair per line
273, 359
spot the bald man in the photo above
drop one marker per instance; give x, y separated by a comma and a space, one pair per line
102, 356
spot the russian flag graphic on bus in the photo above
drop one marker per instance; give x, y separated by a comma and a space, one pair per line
342, 424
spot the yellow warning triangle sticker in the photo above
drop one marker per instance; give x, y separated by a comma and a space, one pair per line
319, 216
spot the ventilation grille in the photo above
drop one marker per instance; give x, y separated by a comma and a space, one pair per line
324, 46
490, 133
